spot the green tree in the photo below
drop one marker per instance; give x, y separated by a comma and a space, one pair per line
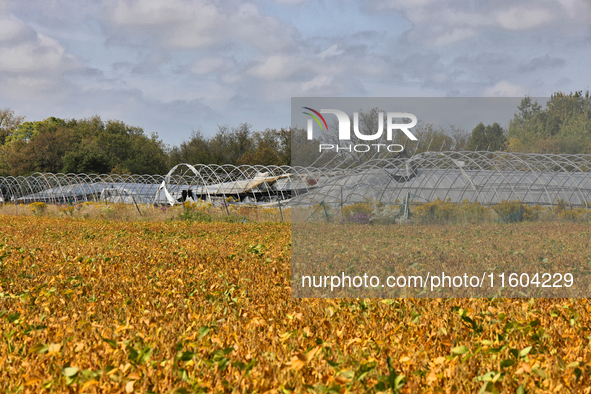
562, 127
431, 138
237, 145
284, 135
305, 152
194, 151
489, 138
89, 159
82, 146
230, 144
265, 150
147, 156
38, 147
9, 122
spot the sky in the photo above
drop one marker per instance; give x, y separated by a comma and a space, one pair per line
177, 66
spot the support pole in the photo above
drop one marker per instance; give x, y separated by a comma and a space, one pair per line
342, 214
280, 211
325, 212
136, 207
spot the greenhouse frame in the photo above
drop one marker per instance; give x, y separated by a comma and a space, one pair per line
485, 177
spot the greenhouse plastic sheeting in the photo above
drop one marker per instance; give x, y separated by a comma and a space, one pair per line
485, 177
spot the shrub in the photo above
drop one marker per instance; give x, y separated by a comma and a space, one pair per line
68, 210
579, 215
560, 205
364, 208
473, 211
358, 218
385, 214
196, 216
38, 208
532, 213
506, 208
437, 211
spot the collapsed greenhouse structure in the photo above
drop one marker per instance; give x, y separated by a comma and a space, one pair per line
485, 177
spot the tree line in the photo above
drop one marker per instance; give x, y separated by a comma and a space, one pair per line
563, 126
95, 146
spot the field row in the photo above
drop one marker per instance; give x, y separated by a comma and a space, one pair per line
111, 307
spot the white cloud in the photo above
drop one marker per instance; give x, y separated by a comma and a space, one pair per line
13, 29
179, 23
209, 65
308, 71
443, 23
576, 9
454, 35
4, 5
524, 18
33, 88
334, 50
277, 67
22, 50
43, 54
505, 89
197, 23
318, 83
291, 1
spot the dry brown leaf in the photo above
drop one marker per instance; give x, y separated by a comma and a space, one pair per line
32, 379
340, 379
53, 348
298, 361
134, 376
432, 377
87, 384
129, 386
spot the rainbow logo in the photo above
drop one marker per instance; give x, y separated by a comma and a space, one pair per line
315, 118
